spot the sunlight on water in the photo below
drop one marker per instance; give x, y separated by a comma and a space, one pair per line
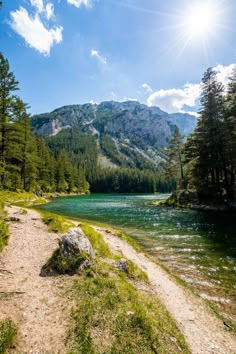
199, 247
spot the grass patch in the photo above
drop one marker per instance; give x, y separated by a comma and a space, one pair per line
102, 250
55, 222
99, 245
24, 199
58, 264
111, 317
7, 335
4, 229
229, 325
135, 273
129, 240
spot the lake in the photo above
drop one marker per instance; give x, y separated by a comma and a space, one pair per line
198, 247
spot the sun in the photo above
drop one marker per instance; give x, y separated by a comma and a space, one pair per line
200, 20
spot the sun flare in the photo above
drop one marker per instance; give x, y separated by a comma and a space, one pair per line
201, 20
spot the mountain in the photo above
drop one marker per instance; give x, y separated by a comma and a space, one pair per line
128, 134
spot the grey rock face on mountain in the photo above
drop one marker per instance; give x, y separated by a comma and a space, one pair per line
141, 129
116, 118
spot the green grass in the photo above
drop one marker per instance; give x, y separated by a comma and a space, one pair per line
111, 316
58, 264
55, 222
20, 198
4, 229
103, 251
129, 240
7, 335
99, 245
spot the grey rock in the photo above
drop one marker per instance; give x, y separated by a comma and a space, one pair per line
75, 253
122, 265
75, 243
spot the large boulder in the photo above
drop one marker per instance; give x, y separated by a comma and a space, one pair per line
75, 243
75, 253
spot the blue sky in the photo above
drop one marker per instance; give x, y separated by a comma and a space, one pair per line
76, 51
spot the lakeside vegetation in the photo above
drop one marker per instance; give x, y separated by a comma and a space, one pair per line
141, 324
206, 162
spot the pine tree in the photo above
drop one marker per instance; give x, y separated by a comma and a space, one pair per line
174, 166
204, 146
27, 146
230, 137
8, 85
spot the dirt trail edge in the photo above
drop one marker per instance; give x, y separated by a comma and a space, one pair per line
203, 332
36, 304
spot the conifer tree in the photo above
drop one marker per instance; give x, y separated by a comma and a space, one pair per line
230, 137
174, 166
204, 146
8, 85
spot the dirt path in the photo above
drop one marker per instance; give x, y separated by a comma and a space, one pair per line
203, 332
33, 302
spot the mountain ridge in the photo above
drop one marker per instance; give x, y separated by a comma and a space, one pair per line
123, 130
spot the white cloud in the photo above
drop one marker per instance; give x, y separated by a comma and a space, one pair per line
147, 88
224, 73
34, 32
38, 4
78, 3
95, 53
174, 100
49, 11
131, 99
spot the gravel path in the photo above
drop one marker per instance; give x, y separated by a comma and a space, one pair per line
204, 333
34, 303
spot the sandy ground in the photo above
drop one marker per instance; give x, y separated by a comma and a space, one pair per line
204, 333
38, 305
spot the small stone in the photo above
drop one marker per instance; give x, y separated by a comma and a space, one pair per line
122, 265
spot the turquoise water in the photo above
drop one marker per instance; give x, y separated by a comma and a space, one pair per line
199, 247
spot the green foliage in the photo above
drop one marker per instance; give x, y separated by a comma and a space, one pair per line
7, 335
4, 230
81, 148
127, 180
26, 163
174, 166
210, 151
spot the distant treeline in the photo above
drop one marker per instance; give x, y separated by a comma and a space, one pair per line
83, 151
